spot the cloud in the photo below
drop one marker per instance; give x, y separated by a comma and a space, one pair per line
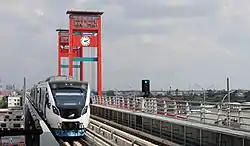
173, 43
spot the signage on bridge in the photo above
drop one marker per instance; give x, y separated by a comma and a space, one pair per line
63, 36
86, 21
63, 49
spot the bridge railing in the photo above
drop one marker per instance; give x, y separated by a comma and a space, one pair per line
223, 114
128, 102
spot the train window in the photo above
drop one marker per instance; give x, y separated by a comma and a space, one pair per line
35, 95
3, 124
81, 85
40, 95
70, 97
16, 125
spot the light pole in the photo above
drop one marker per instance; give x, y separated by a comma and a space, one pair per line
229, 100
227, 95
204, 98
116, 92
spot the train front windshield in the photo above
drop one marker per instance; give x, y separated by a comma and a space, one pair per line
69, 94
70, 97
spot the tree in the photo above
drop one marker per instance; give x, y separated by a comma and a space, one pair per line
247, 95
110, 93
3, 104
176, 91
210, 93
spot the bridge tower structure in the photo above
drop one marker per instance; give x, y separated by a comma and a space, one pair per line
63, 55
85, 34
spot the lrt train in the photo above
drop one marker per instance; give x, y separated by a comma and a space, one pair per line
64, 104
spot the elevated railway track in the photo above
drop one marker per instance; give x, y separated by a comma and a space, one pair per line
100, 134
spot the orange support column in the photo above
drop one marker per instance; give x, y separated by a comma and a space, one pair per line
81, 64
59, 54
99, 60
63, 45
70, 48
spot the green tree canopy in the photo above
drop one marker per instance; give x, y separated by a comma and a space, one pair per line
110, 93
3, 104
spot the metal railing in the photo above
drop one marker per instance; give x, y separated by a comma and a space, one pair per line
224, 114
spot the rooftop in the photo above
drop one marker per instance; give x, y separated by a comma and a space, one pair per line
84, 12
62, 29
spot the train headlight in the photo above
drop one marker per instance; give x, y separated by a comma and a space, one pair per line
71, 125
59, 125
84, 110
55, 110
81, 125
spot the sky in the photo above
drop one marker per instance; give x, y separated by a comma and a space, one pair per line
177, 43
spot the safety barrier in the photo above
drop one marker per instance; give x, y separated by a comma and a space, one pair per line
225, 114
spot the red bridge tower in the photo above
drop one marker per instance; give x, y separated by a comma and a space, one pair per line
85, 31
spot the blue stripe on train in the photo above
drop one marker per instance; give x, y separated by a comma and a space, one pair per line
69, 133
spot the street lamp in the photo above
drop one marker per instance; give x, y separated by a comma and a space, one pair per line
227, 95
229, 105
204, 97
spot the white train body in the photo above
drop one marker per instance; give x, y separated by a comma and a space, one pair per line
64, 104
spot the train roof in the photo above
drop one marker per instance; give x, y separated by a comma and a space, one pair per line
68, 81
61, 77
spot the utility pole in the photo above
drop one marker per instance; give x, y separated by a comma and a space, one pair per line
24, 92
229, 101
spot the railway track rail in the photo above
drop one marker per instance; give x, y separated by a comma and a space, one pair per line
139, 134
73, 142
99, 134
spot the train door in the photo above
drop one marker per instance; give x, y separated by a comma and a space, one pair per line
45, 101
35, 96
42, 99
47, 104
39, 101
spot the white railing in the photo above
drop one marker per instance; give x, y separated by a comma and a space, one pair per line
120, 102
232, 115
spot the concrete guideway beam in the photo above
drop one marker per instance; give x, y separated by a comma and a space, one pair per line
168, 128
117, 136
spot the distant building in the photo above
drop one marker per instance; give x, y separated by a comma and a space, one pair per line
5, 92
15, 102
10, 87
12, 141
